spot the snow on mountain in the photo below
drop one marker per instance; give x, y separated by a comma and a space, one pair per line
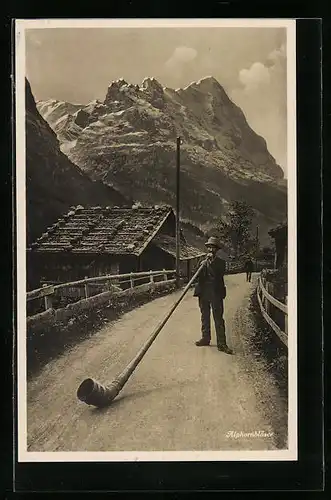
53, 182
129, 141
52, 110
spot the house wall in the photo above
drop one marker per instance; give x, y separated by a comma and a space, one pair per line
154, 259
281, 252
169, 227
280, 236
128, 264
64, 267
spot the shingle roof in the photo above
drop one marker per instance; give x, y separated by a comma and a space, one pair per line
168, 244
279, 229
111, 230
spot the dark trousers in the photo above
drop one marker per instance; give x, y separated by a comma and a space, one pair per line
216, 305
248, 275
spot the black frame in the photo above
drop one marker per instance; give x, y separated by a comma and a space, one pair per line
305, 474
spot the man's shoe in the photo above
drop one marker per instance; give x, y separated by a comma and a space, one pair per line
225, 348
202, 342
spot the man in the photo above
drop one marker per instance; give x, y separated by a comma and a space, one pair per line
211, 291
249, 269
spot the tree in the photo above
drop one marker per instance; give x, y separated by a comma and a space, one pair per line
234, 228
250, 245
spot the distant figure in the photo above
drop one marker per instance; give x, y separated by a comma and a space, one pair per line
249, 267
211, 291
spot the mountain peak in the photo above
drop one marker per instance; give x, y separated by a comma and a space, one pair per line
153, 92
117, 83
118, 91
209, 79
203, 82
48, 101
151, 83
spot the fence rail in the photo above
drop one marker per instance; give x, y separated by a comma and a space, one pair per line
265, 299
48, 292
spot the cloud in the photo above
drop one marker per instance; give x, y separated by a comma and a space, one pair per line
257, 74
277, 55
181, 56
260, 74
261, 94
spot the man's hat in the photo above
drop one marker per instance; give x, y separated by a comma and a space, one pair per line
213, 241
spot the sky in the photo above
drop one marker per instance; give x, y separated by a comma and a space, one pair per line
78, 64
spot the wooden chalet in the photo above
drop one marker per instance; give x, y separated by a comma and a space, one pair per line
95, 241
279, 235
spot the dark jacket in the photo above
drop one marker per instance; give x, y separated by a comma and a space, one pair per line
249, 266
216, 270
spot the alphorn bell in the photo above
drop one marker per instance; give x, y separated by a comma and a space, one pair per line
95, 394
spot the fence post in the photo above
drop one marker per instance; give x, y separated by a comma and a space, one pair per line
47, 300
263, 299
266, 303
286, 318
151, 277
131, 281
165, 276
271, 290
86, 289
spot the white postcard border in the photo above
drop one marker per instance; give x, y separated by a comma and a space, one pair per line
268, 455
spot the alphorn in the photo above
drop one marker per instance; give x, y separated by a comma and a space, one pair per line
93, 393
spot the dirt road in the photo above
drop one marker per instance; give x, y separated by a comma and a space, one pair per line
180, 397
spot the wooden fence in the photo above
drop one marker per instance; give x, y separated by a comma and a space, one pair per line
53, 295
234, 267
266, 302
88, 287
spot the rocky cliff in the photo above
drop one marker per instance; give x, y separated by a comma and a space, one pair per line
53, 182
129, 141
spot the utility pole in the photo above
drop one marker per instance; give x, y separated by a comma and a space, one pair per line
177, 210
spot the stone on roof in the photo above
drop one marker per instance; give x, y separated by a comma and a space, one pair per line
106, 230
168, 244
